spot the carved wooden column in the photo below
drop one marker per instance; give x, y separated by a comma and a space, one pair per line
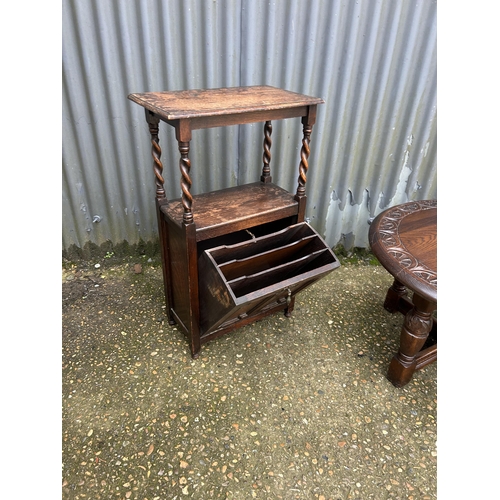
183, 136
394, 294
185, 167
307, 125
153, 122
266, 157
416, 327
304, 160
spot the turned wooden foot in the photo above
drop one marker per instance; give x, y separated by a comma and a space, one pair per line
416, 327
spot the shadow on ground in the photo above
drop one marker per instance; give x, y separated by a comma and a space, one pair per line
285, 408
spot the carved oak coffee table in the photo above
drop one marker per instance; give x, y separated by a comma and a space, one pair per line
404, 240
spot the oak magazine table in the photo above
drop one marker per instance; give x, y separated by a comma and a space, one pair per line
404, 240
236, 255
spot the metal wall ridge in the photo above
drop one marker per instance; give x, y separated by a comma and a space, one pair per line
373, 146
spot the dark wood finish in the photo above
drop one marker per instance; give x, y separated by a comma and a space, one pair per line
232, 209
153, 123
266, 157
165, 261
208, 298
237, 280
404, 240
225, 103
185, 167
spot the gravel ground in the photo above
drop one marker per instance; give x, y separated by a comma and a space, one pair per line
285, 408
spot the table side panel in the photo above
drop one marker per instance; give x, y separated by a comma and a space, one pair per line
179, 267
242, 118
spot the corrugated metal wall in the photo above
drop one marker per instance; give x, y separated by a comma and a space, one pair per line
373, 146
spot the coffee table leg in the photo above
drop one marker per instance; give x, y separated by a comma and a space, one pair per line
416, 327
395, 292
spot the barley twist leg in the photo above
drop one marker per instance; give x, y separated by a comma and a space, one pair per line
304, 157
266, 157
185, 167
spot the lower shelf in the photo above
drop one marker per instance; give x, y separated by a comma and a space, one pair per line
225, 211
238, 280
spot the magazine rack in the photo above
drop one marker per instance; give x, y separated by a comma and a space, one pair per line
236, 255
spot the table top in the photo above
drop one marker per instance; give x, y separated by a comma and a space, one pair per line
404, 240
185, 104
